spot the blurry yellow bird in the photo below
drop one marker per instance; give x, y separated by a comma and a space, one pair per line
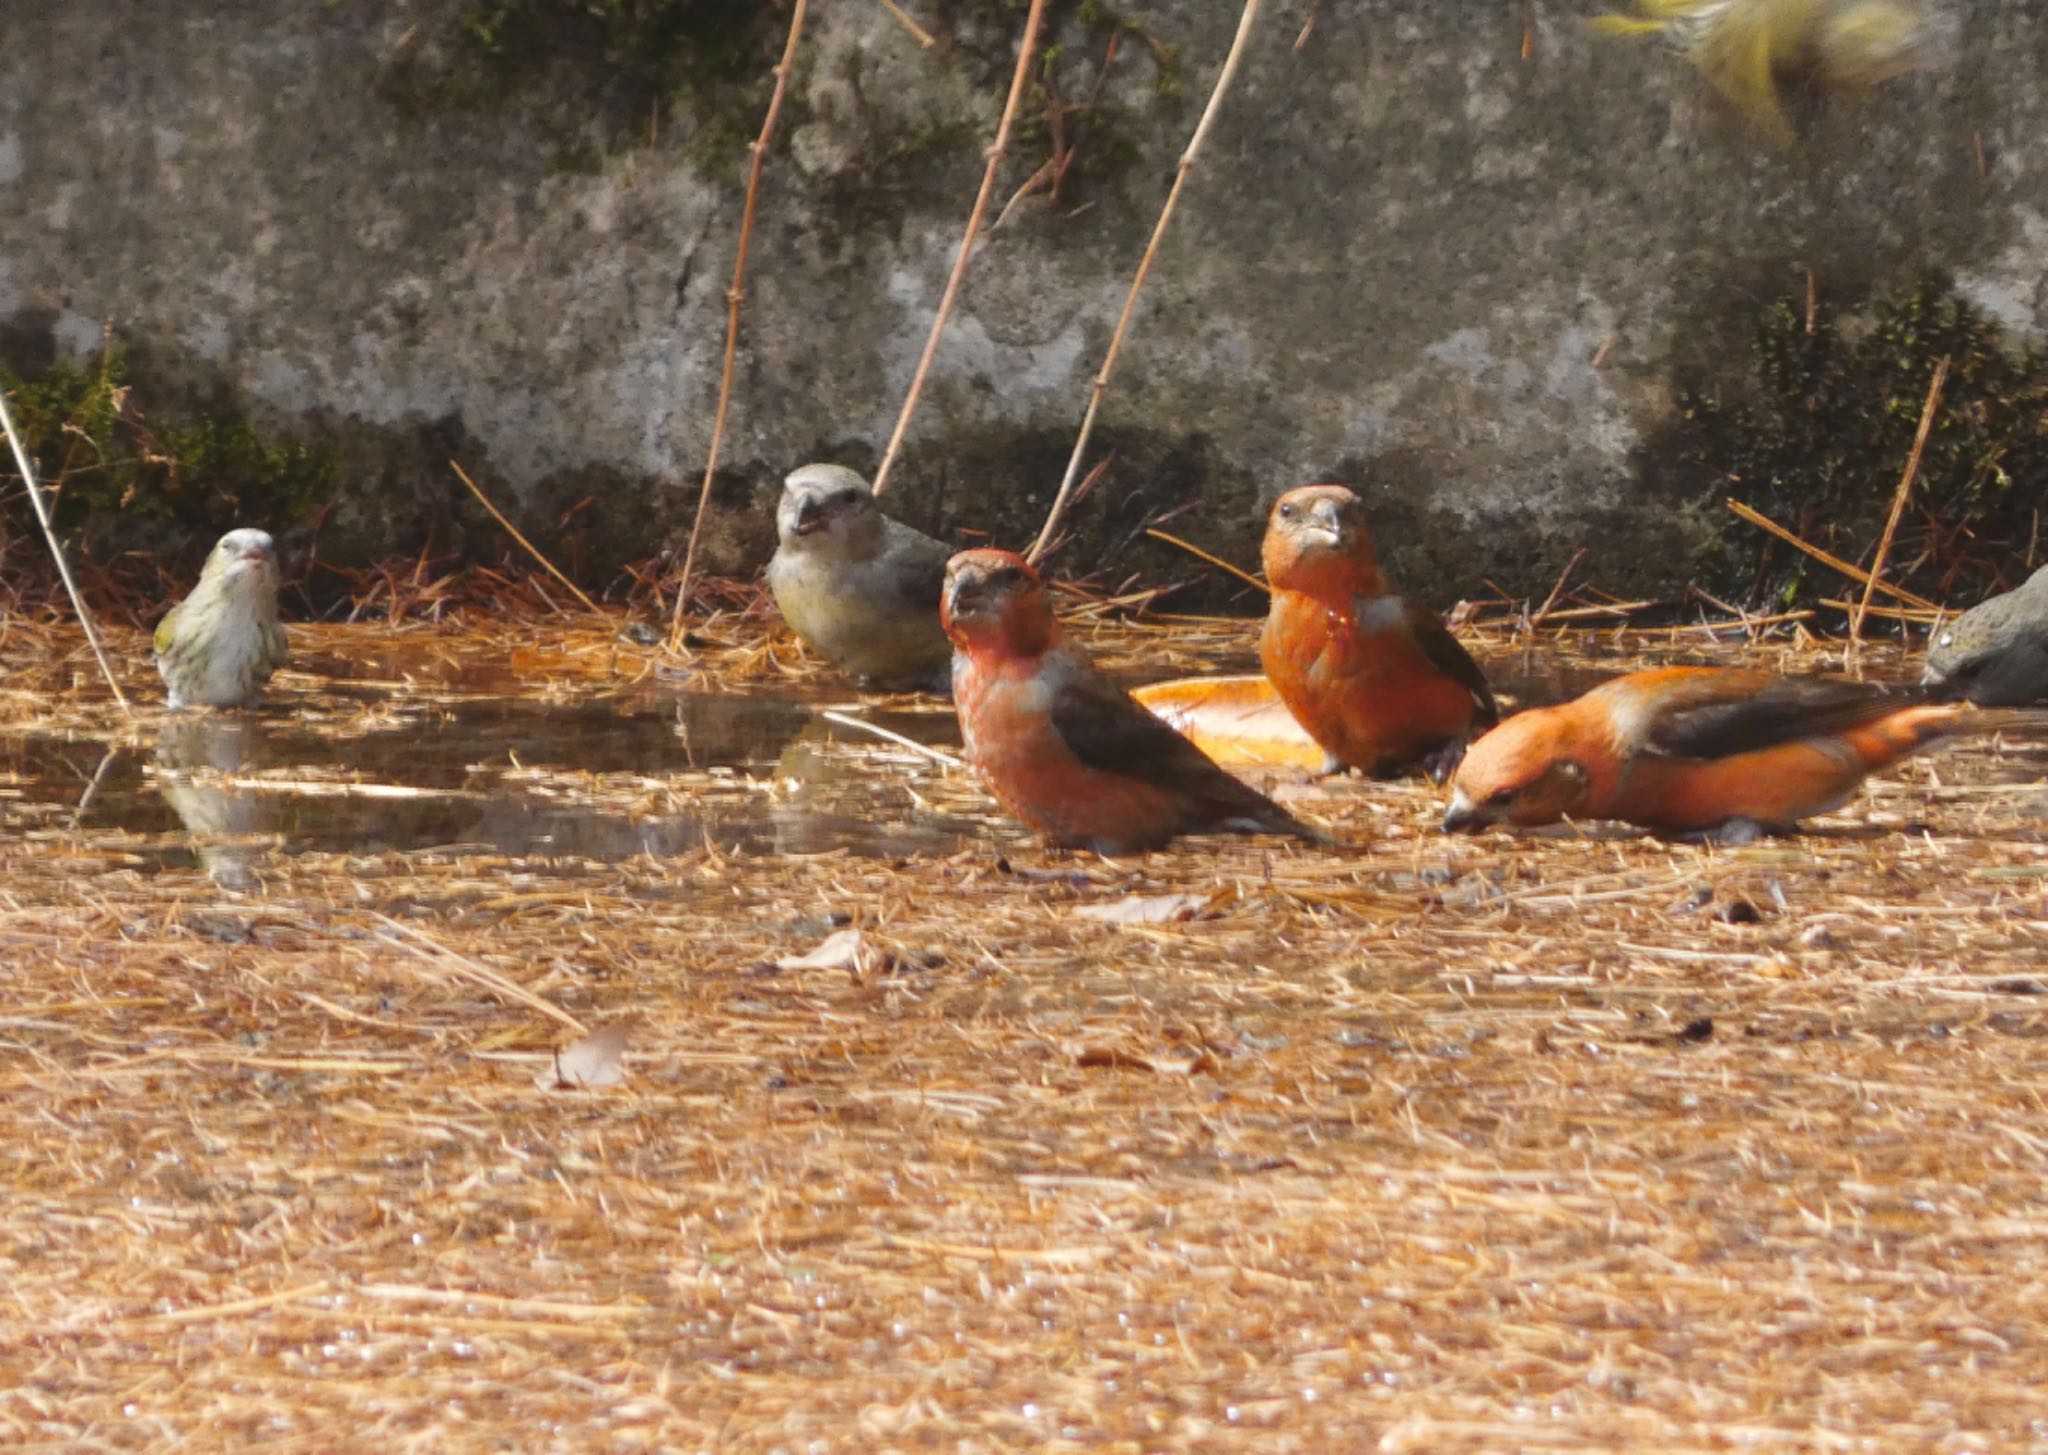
1746, 48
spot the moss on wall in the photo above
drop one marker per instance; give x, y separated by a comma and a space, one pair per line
107, 466
1819, 433
598, 75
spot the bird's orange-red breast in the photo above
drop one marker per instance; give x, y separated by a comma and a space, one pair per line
1374, 676
1065, 749
1692, 749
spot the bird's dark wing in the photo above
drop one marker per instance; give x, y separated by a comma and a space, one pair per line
1106, 728
1450, 657
1746, 716
919, 567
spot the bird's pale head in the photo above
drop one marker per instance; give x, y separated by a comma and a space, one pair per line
242, 560
1863, 42
994, 601
1317, 542
827, 508
1521, 773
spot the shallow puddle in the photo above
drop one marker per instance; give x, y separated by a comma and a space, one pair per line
378, 743
604, 780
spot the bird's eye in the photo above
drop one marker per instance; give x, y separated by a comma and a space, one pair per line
1500, 799
1287, 512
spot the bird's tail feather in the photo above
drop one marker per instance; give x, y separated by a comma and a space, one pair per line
1978, 720
1885, 740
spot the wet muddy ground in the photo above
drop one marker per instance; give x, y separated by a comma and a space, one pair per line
1576, 1141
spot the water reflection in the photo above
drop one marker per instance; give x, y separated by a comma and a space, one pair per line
362, 769
659, 775
202, 766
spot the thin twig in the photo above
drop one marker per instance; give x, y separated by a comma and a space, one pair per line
1201, 555
1855, 573
733, 295
1726, 607
1604, 612
35, 498
1026, 50
1891, 523
1919, 616
1088, 484
531, 549
92, 789
1556, 591
1032, 183
1123, 323
426, 947
923, 36
200, 1313
848, 720
1747, 623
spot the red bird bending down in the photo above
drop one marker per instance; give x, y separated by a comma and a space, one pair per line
1374, 676
1695, 749
1065, 749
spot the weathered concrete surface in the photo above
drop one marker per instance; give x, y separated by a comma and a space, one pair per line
1411, 259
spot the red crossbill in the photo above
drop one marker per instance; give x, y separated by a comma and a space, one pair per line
219, 646
1374, 676
1996, 653
1065, 749
1699, 749
862, 590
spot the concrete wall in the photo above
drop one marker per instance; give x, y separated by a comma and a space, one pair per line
1413, 258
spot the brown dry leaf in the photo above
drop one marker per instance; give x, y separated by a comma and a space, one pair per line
840, 950
1145, 909
590, 1064
1114, 1058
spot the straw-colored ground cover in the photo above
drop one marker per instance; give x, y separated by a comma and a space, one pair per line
1572, 1142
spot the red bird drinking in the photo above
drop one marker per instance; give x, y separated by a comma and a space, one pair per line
1064, 748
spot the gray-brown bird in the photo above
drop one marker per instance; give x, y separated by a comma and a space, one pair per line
860, 589
1996, 653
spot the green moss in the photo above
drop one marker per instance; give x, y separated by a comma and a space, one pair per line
235, 472
73, 423
101, 461
595, 75
1818, 437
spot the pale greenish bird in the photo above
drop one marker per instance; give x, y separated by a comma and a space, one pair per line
862, 590
219, 646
